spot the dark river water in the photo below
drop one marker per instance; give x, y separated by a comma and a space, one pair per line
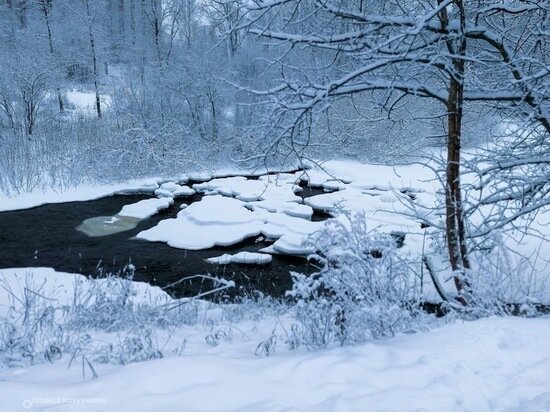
46, 236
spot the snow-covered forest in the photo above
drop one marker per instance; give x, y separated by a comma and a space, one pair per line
341, 204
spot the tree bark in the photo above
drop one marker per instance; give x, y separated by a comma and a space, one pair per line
22, 13
454, 213
46, 10
94, 59
121, 24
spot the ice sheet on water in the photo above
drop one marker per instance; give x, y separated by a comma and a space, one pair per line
249, 258
127, 219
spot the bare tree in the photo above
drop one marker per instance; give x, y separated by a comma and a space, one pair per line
189, 21
46, 6
90, 25
399, 50
22, 7
514, 175
225, 15
33, 89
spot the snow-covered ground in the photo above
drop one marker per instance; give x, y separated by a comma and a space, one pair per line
492, 364
59, 287
496, 364
75, 194
84, 102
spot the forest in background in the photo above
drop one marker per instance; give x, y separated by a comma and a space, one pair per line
167, 87
157, 74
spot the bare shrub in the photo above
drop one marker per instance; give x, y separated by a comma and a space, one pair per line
362, 291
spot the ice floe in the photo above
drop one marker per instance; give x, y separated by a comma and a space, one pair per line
145, 208
223, 221
107, 225
215, 220
249, 258
127, 219
174, 190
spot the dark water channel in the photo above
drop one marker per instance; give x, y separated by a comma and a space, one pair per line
45, 236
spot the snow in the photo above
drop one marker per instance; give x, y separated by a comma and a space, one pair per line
75, 194
174, 190
223, 221
492, 364
207, 211
145, 208
292, 244
183, 233
289, 208
273, 193
60, 287
84, 103
248, 258
278, 224
201, 226
200, 176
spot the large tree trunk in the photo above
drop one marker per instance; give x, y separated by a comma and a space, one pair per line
458, 254
454, 213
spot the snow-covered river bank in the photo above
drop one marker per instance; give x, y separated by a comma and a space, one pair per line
194, 224
203, 358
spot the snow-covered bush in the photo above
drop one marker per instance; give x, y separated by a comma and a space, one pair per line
37, 326
30, 328
362, 292
502, 281
111, 303
135, 346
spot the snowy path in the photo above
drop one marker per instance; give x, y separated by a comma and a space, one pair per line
496, 364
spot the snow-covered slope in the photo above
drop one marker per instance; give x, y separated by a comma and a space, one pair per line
495, 364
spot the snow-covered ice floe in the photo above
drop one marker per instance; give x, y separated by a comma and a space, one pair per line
217, 220
145, 208
237, 207
248, 258
174, 190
